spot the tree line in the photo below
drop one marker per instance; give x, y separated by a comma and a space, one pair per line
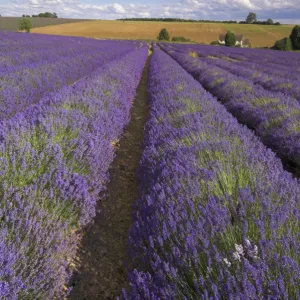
174, 20
42, 15
289, 43
251, 19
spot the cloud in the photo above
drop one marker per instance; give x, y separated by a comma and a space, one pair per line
287, 11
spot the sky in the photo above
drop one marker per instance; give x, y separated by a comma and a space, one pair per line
284, 11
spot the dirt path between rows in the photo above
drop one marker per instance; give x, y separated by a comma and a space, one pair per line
101, 273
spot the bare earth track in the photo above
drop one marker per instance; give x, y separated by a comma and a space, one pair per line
101, 273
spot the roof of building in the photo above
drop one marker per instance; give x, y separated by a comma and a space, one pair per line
246, 42
222, 37
239, 37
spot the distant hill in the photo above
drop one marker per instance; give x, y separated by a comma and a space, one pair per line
11, 23
259, 35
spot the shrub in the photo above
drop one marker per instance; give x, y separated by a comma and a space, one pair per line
284, 44
214, 43
25, 24
163, 35
180, 39
230, 39
295, 37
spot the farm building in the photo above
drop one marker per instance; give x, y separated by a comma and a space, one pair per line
240, 41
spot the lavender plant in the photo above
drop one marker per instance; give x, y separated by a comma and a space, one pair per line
274, 116
218, 217
274, 79
54, 162
24, 84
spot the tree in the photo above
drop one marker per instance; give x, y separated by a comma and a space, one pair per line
230, 39
295, 37
25, 24
269, 22
284, 44
163, 35
252, 18
180, 39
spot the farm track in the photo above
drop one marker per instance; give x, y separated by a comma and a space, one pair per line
101, 273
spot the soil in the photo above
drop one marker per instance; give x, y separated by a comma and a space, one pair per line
101, 273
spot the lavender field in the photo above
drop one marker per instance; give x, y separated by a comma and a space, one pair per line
200, 203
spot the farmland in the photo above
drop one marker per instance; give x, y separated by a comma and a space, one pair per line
259, 35
12, 23
148, 171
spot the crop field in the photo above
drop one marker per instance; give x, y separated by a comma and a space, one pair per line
12, 23
148, 171
259, 35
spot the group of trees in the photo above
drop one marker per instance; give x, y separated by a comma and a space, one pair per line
289, 43
165, 36
230, 39
251, 19
26, 24
174, 20
42, 15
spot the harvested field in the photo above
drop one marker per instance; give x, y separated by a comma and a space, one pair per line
259, 35
11, 23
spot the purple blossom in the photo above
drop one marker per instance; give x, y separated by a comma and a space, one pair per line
55, 152
216, 192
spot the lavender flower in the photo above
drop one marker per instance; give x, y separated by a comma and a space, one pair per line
215, 205
54, 156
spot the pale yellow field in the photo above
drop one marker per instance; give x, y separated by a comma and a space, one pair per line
259, 35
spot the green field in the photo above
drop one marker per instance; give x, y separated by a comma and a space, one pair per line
11, 23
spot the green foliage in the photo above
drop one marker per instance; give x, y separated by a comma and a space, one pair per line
25, 24
45, 15
180, 39
175, 20
270, 22
295, 37
284, 44
163, 35
252, 18
230, 39
214, 43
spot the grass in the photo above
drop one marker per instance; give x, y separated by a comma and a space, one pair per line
259, 35
12, 23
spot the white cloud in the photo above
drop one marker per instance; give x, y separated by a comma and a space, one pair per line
118, 8
280, 10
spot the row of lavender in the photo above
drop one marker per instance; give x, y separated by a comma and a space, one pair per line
18, 49
218, 216
54, 162
267, 57
273, 77
274, 116
26, 84
269, 63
